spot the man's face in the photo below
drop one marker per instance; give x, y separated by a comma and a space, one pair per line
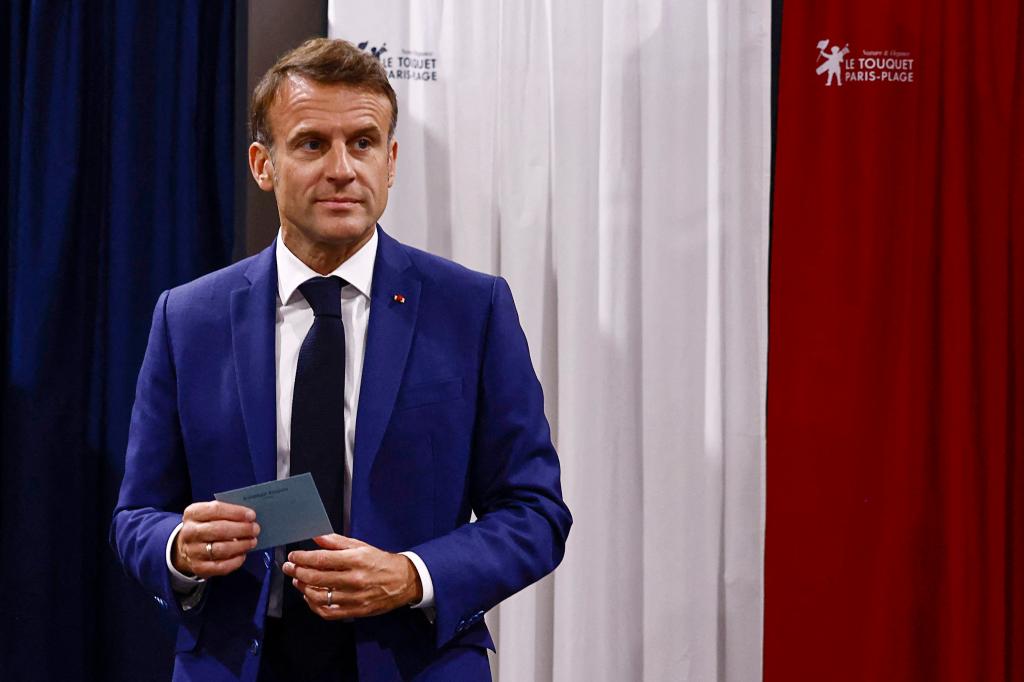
331, 164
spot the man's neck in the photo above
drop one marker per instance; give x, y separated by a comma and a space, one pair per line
323, 258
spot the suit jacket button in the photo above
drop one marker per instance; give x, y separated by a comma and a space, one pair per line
254, 647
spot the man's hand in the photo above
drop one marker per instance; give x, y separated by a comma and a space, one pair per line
351, 579
214, 538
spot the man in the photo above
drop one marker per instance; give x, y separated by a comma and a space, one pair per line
401, 381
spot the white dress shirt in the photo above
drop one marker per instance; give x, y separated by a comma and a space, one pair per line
294, 319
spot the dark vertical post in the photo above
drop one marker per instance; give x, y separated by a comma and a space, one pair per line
271, 27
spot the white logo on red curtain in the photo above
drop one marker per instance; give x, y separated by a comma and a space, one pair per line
833, 64
838, 66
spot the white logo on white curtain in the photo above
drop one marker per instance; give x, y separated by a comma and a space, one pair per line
839, 66
377, 52
410, 65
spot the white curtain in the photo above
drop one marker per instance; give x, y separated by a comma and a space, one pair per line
611, 160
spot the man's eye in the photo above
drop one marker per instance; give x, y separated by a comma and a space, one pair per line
363, 143
312, 145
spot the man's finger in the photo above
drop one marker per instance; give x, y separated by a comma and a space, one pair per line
219, 551
332, 604
216, 531
208, 569
321, 559
214, 510
337, 579
331, 612
318, 594
335, 541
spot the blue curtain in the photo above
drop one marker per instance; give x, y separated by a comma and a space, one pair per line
117, 184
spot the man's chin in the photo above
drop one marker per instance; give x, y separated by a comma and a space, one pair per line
345, 235
331, 235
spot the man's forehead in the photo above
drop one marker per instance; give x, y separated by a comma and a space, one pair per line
298, 91
303, 104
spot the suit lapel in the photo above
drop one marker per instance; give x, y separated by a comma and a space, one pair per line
252, 339
388, 339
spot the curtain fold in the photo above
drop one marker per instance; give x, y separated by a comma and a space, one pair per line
611, 161
118, 167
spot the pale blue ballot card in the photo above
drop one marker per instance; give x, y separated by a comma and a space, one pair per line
288, 510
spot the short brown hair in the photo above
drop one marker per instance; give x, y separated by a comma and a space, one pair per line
324, 61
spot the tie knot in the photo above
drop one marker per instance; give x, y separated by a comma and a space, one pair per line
323, 295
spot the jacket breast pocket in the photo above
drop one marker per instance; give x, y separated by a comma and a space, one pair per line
419, 395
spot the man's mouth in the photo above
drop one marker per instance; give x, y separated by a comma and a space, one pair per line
338, 202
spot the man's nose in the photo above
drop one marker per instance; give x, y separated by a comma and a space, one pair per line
339, 164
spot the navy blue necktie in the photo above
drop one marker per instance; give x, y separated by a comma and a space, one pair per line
318, 446
318, 403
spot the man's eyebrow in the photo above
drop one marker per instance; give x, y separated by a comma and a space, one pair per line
369, 130
304, 131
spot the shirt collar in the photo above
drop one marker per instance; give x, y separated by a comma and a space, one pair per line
357, 270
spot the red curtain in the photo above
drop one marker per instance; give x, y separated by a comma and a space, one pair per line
895, 512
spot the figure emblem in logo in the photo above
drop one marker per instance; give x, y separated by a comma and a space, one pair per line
375, 51
833, 63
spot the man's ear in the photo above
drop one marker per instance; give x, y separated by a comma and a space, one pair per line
392, 161
261, 165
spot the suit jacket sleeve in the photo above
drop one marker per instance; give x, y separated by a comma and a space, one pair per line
156, 478
522, 522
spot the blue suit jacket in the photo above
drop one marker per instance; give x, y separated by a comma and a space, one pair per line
450, 421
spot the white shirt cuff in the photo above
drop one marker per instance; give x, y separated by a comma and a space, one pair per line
186, 587
428, 586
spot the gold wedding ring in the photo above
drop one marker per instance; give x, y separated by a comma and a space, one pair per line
209, 550
330, 596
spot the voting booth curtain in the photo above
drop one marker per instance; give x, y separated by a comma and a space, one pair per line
895, 517
117, 184
611, 160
